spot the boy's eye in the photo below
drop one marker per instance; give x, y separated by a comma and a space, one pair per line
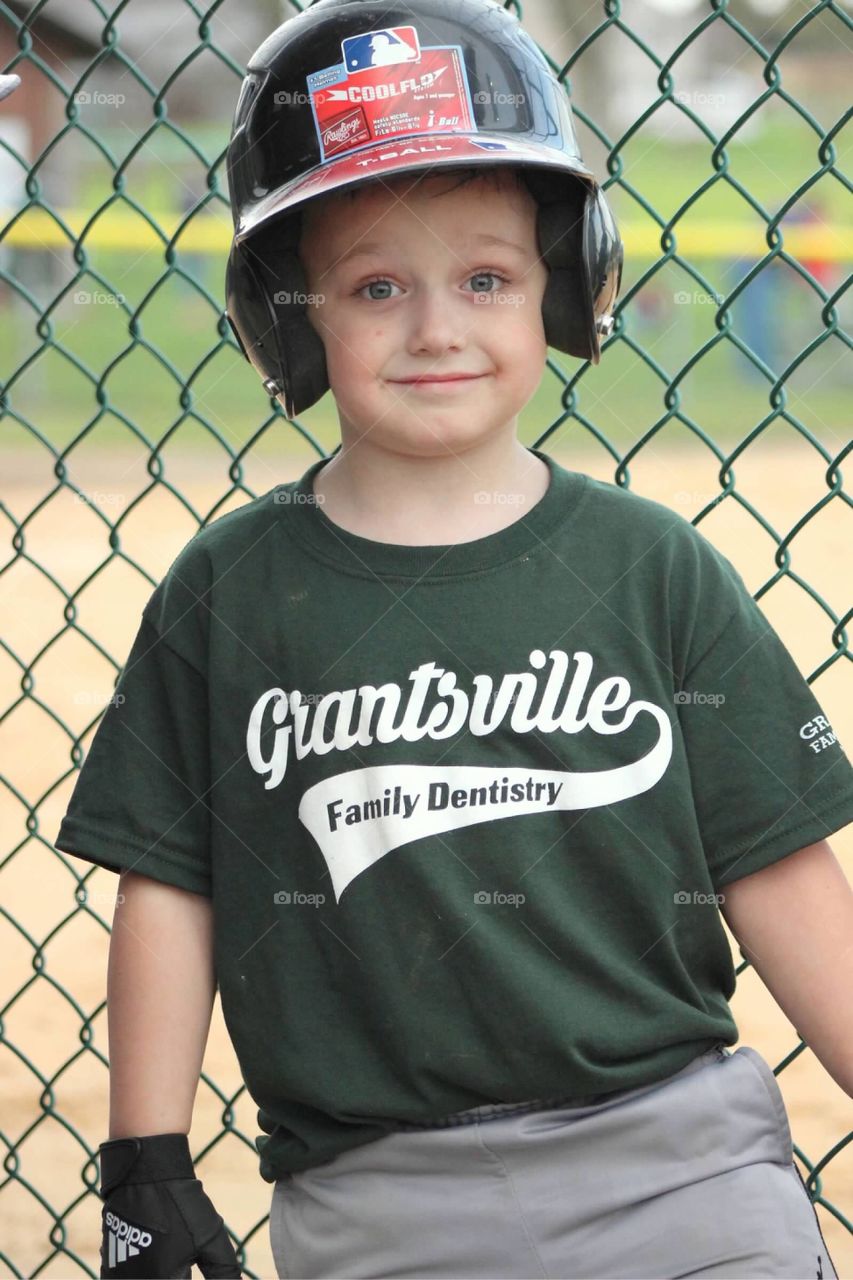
480, 277
486, 275
372, 284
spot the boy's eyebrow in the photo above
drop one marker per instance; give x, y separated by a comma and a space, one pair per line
367, 248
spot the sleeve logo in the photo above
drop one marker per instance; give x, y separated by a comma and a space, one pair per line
818, 733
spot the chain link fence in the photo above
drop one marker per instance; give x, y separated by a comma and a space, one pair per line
67, 238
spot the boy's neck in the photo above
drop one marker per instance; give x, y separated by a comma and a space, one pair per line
411, 501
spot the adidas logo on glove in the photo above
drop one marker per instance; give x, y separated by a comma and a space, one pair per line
125, 1240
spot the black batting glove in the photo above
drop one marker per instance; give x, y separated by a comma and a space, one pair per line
157, 1219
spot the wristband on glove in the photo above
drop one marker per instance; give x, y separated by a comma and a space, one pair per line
157, 1219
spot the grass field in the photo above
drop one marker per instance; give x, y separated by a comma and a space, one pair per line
173, 373
175, 361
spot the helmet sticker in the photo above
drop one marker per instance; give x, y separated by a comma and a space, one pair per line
388, 87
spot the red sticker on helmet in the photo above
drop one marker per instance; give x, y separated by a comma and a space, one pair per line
388, 86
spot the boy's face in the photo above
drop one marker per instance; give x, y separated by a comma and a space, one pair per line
443, 300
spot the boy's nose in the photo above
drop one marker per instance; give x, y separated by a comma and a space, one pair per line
435, 324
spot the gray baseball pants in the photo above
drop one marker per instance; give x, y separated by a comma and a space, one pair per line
690, 1176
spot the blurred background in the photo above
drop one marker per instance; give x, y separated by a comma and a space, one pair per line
128, 417
118, 133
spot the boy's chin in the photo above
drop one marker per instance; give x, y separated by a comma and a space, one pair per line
432, 436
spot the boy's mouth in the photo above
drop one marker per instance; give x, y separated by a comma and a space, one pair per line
430, 379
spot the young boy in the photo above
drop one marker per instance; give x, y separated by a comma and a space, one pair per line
443, 760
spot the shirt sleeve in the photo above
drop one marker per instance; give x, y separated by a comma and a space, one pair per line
140, 800
769, 775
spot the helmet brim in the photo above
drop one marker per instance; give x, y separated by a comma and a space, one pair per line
420, 151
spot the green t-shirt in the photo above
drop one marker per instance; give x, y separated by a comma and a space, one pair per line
462, 810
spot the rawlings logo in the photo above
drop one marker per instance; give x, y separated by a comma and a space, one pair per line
341, 132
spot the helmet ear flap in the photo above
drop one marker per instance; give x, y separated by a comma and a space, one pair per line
566, 305
580, 246
265, 291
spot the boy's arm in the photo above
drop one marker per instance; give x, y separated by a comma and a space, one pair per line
793, 921
160, 991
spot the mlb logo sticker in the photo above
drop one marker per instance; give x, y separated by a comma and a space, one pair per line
383, 48
389, 87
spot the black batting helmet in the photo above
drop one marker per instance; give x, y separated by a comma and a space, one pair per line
350, 92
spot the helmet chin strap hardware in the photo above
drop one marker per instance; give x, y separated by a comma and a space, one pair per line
272, 387
604, 325
8, 84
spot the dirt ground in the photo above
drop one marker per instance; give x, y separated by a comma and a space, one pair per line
53, 1073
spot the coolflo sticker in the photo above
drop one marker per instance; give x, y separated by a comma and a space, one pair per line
388, 86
